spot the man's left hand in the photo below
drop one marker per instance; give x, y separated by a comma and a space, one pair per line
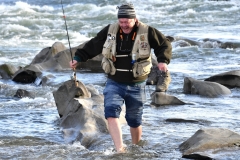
162, 67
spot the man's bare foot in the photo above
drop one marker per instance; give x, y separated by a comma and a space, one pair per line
121, 150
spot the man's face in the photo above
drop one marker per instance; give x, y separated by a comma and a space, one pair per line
126, 24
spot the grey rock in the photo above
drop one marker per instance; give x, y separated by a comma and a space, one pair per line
162, 98
204, 88
207, 142
229, 79
7, 71
81, 114
21, 93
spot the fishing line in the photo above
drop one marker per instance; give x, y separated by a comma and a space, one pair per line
64, 17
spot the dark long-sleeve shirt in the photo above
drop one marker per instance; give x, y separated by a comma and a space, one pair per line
158, 42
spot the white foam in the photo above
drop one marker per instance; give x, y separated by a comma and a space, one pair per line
30, 8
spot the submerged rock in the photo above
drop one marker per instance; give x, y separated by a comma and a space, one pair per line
21, 93
180, 120
204, 43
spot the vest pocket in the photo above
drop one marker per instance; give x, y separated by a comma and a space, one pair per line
141, 68
107, 66
144, 50
107, 49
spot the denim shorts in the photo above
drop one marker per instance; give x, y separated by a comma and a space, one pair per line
116, 94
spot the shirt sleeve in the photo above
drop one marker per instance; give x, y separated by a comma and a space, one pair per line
160, 44
93, 47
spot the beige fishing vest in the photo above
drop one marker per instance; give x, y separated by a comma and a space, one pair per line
141, 51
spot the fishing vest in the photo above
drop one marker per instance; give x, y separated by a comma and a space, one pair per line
141, 52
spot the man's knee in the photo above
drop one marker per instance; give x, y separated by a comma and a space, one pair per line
134, 121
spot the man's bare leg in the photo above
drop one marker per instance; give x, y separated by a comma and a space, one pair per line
116, 133
136, 134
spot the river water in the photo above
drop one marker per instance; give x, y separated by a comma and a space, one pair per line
29, 128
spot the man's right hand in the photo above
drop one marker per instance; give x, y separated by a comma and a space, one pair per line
73, 64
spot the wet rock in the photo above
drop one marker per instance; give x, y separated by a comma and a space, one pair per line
204, 88
181, 43
162, 98
204, 43
57, 47
82, 123
46, 79
197, 157
232, 45
58, 57
180, 120
49, 60
223, 45
44, 61
207, 143
91, 88
68, 91
7, 71
229, 79
27, 74
42, 56
82, 113
21, 93
82, 117
48, 53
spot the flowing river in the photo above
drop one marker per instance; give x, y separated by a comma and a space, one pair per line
29, 128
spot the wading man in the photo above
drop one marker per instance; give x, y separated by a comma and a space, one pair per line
126, 47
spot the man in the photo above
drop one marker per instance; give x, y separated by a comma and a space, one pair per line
126, 48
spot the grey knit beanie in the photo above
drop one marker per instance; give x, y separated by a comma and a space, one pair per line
126, 11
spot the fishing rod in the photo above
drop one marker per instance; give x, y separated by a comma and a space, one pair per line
74, 72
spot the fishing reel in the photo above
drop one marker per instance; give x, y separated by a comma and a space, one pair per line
73, 76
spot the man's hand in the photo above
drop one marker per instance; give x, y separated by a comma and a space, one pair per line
162, 67
73, 64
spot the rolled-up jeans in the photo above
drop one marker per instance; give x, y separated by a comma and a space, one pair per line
133, 95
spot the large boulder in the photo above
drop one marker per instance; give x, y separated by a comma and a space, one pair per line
83, 122
42, 56
58, 57
68, 91
46, 60
205, 143
48, 53
81, 113
204, 88
49, 60
229, 79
